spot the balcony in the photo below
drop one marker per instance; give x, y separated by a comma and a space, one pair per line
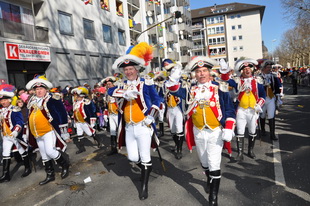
197, 37
135, 27
186, 43
185, 59
26, 32
134, 3
195, 47
173, 55
184, 27
172, 37
197, 26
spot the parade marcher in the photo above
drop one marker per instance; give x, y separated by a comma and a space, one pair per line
139, 105
250, 100
11, 121
294, 77
272, 87
174, 111
159, 80
211, 118
277, 69
47, 125
84, 118
111, 113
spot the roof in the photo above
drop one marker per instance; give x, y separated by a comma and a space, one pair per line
230, 8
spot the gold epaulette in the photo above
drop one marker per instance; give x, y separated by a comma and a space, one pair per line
223, 86
56, 96
259, 79
87, 101
16, 109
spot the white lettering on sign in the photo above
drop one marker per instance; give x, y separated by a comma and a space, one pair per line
27, 52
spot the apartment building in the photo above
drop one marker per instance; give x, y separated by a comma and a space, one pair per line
228, 31
72, 42
172, 38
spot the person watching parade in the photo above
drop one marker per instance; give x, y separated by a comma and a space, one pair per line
139, 105
47, 125
211, 118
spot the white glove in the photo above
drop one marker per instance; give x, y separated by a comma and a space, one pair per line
14, 134
176, 73
149, 120
227, 135
130, 94
224, 69
258, 108
105, 117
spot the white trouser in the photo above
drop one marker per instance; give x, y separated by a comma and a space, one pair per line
47, 146
246, 118
84, 127
113, 120
209, 146
175, 118
161, 115
138, 142
7, 146
269, 108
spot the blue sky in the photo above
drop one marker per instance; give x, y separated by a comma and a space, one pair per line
274, 23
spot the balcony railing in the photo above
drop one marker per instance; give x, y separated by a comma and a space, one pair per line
26, 32
197, 37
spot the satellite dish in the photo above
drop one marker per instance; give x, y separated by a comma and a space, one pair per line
150, 19
180, 20
149, 13
181, 32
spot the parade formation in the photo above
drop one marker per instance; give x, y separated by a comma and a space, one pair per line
205, 104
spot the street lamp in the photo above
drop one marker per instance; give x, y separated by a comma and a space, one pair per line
201, 41
272, 49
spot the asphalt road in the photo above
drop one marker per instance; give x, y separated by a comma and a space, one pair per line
278, 176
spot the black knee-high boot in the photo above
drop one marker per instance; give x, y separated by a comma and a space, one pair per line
113, 145
80, 145
64, 163
98, 140
251, 146
161, 129
262, 126
207, 188
272, 128
6, 170
214, 187
175, 139
26, 159
50, 172
240, 148
145, 174
180, 137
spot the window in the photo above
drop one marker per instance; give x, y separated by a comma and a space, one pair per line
233, 27
107, 34
238, 16
105, 5
232, 17
65, 23
10, 12
234, 48
239, 26
121, 37
241, 48
89, 31
240, 37
119, 8
234, 38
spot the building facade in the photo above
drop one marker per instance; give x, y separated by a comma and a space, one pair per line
72, 42
228, 31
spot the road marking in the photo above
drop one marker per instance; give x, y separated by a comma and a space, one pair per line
277, 163
49, 198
